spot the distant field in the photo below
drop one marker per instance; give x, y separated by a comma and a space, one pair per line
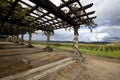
106, 50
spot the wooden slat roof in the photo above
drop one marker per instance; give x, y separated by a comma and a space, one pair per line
47, 16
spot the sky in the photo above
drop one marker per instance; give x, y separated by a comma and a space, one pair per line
108, 21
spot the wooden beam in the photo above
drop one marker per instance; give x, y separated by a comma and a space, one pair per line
67, 3
25, 3
12, 21
34, 8
82, 8
61, 6
12, 8
50, 7
89, 13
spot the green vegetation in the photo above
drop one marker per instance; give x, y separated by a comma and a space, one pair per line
106, 50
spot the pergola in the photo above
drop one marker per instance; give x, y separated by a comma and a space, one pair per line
47, 16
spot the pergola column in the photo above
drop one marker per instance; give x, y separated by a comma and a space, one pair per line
78, 54
48, 38
30, 42
22, 39
48, 48
17, 38
13, 38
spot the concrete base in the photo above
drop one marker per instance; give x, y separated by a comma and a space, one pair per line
30, 46
48, 49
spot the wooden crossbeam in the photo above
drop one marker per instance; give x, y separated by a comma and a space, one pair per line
34, 8
67, 3
50, 7
12, 21
89, 13
25, 3
12, 8
82, 8
61, 6
88, 19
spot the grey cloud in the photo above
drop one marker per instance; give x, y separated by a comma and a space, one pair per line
113, 33
108, 11
62, 35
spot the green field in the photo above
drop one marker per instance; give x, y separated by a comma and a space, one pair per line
106, 50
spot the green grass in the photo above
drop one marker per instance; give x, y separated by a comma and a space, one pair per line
111, 54
91, 49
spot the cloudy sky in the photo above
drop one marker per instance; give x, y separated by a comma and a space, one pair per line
108, 20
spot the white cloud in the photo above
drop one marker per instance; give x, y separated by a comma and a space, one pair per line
106, 33
98, 37
103, 33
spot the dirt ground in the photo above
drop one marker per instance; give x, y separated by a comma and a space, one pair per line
18, 60
94, 68
91, 69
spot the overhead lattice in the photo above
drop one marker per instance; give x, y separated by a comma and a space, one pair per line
45, 15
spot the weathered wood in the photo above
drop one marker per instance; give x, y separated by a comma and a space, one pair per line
12, 8
17, 39
48, 38
22, 39
30, 41
48, 48
47, 67
53, 9
78, 54
44, 19
67, 3
49, 71
25, 3
89, 13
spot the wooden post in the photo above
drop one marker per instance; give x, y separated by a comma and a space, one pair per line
48, 48
78, 54
17, 39
30, 43
14, 38
48, 38
22, 39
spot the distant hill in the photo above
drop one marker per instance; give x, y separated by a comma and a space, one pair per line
79, 42
116, 43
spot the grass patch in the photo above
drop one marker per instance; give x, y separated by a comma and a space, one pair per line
111, 54
91, 49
